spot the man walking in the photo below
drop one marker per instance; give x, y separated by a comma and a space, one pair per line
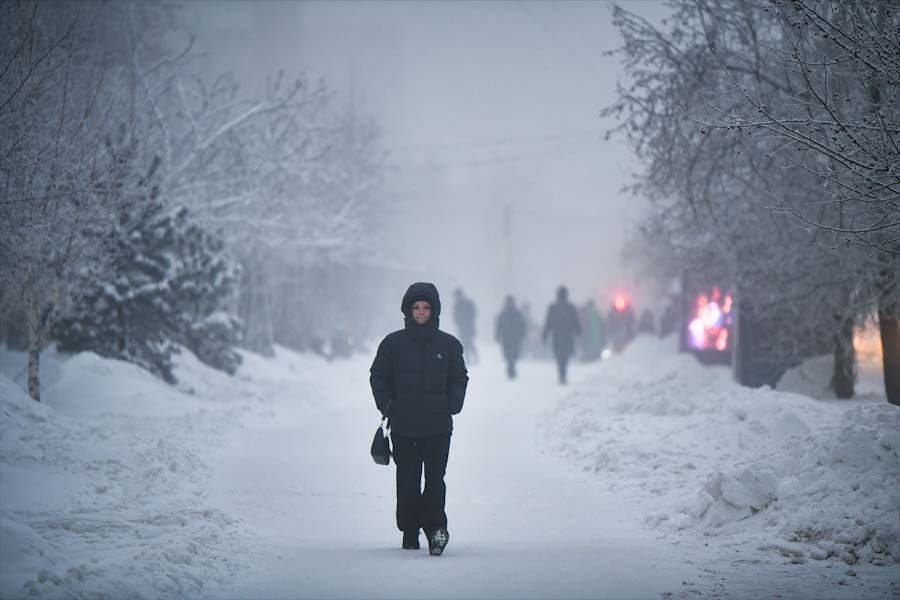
419, 380
562, 325
464, 315
510, 332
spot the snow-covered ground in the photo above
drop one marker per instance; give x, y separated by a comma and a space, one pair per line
103, 486
766, 478
649, 476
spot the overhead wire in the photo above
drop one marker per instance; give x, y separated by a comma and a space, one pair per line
440, 166
505, 142
585, 63
514, 141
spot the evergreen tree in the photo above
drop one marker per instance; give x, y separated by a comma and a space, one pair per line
202, 288
167, 284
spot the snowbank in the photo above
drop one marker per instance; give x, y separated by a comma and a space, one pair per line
835, 490
103, 484
701, 452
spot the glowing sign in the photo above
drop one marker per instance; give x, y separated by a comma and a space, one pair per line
711, 320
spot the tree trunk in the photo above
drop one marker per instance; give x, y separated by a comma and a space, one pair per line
843, 377
34, 354
890, 349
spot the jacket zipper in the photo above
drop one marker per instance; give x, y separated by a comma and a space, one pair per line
422, 373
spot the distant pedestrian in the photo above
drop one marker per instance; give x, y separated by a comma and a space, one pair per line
419, 380
647, 324
510, 332
562, 326
464, 316
668, 322
621, 323
593, 337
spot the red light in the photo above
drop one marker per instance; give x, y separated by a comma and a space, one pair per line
620, 302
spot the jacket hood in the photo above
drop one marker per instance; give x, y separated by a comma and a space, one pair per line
421, 291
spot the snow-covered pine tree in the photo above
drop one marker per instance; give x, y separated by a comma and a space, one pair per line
202, 289
126, 312
167, 284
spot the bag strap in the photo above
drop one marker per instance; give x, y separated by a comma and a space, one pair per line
385, 420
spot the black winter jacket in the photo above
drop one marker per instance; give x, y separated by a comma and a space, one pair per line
562, 325
419, 376
511, 329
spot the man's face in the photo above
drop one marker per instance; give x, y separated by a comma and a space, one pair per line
421, 312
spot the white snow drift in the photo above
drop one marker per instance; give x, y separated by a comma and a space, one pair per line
805, 477
102, 486
105, 488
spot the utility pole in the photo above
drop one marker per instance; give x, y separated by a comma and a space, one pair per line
507, 237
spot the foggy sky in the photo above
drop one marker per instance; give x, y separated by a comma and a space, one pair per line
500, 180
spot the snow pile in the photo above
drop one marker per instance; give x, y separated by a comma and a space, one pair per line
836, 490
103, 484
700, 451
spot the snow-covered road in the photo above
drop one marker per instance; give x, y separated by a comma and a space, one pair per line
523, 523
650, 476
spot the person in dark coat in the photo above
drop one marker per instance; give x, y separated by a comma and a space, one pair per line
668, 322
562, 325
647, 324
464, 316
419, 381
593, 337
510, 332
621, 323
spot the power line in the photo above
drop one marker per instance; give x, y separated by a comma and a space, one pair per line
492, 162
567, 218
587, 64
548, 137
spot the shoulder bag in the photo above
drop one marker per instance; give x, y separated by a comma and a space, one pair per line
381, 447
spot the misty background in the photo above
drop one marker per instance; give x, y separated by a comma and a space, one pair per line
215, 176
497, 176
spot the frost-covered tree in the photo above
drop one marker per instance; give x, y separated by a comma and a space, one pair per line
281, 175
91, 246
315, 283
206, 282
169, 279
55, 168
282, 178
130, 187
700, 109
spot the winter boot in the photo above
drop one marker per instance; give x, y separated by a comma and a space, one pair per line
437, 539
411, 540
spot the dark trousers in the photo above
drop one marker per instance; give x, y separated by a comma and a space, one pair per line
417, 508
562, 362
511, 368
511, 354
